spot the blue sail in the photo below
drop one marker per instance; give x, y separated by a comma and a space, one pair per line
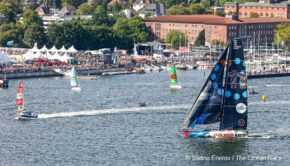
207, 107
73, 79
235, 102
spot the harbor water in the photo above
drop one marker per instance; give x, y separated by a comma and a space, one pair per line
103, 125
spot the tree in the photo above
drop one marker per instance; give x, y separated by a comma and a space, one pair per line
8, 11
138, 29
176, 38
100, 16
86, 9
116, 7
254, 15
57, 3
220, 13
177, 10
216, 42
31, 17
200, 41
12, 32
101, 37
283, 30
35, 34
75, 3
54, 33
147, 15
197, 9
170, 3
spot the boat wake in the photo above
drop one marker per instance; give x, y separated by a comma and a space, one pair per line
111, 111
279, 133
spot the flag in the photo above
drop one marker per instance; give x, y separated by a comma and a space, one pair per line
10, 43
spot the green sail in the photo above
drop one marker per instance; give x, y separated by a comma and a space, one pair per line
173, 77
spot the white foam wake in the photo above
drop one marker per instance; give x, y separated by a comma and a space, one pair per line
112, 111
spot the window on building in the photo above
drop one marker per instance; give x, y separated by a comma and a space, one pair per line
246, 14
272, 15
220, 27
261, 14
267, 14
215, 27
220, 34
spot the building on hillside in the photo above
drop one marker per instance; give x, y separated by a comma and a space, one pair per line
26, 2
139, 4
223, 29
43, 9
155, 10
67, 9
123, 2
215, 9
60, 18
263, 8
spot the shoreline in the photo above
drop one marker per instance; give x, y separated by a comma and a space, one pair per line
107, 72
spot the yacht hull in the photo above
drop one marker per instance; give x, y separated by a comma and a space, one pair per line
217, 133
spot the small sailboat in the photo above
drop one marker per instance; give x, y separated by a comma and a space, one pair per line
21, 113
173, 79
74, 82
223, 97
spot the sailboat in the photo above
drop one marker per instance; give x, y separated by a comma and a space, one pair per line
173, 79
74, 82
223, 97
21, 113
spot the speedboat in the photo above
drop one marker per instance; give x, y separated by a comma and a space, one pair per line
25, 115
253, 92
142, 104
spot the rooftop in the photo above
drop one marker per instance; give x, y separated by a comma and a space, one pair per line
212, 19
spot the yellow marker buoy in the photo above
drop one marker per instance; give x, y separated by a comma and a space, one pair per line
264, 98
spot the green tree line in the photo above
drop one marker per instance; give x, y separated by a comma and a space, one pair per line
99, 32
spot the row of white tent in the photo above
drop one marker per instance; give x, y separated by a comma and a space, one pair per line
31, 56
54, 49
52, 53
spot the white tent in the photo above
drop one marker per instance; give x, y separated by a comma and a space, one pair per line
65, 57
55, 56
5, 59
43, 49
53, 49
63, 49
72, 49
34, 49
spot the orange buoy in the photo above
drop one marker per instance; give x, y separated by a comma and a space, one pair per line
264, 98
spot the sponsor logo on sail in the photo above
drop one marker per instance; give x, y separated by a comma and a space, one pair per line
241, 108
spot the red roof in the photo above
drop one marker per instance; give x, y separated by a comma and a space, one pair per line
212, 19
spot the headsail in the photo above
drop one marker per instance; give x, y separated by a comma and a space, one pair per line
207, 107
235, 101
173, 77
73, 79
19, 98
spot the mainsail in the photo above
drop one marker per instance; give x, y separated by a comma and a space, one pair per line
235, 102
73, 79
19, 98
207, 108
173, 77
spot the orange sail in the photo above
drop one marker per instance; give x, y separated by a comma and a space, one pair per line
19, 99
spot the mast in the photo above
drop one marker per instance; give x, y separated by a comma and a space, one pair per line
225, 82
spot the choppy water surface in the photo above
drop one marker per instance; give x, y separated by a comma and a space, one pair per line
103, 125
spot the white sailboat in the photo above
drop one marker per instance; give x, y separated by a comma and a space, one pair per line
74, 82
